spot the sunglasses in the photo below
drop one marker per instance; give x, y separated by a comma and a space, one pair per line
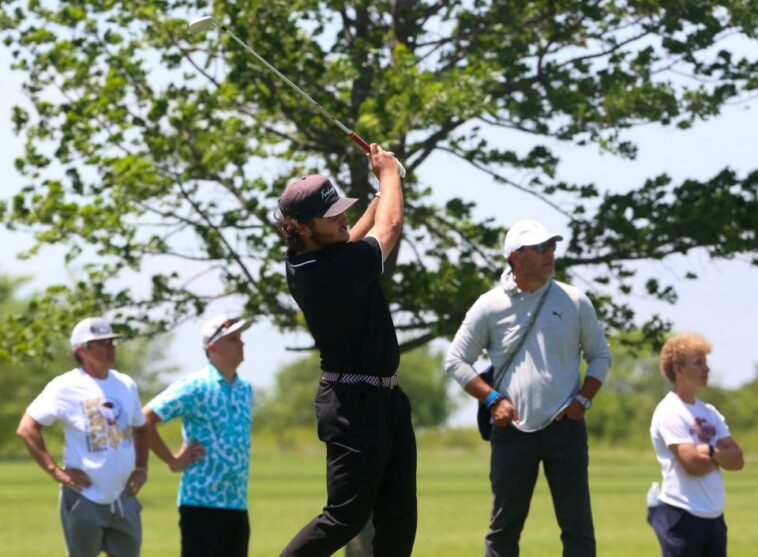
103, 342
548, 245
225, 325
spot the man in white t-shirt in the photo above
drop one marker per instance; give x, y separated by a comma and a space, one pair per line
692, 442
106, 446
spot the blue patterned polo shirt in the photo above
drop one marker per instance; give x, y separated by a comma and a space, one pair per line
219, 415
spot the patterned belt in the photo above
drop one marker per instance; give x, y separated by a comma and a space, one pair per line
373, 380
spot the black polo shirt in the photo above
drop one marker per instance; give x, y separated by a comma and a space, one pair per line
338, 290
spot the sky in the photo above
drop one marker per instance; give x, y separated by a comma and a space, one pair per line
722, 304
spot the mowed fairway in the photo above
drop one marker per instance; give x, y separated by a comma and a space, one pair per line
287, 489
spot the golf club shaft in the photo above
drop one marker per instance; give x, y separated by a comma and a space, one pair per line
363, 144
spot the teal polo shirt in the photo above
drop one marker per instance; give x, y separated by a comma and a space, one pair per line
219, 414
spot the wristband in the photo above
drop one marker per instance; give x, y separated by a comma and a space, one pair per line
493, 398
140, 469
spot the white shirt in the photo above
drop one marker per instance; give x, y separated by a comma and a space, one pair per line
97, 416
676, 422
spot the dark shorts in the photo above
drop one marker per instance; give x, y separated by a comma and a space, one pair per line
682, 534
211, 532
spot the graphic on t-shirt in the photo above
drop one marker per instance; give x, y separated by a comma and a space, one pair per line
703, 430
105, 423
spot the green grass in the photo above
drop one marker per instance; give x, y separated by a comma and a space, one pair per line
287, 489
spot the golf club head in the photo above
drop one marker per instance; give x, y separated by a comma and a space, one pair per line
202, 24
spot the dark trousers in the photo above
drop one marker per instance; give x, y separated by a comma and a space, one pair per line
210, 532
514, 465
370, 468
682, 534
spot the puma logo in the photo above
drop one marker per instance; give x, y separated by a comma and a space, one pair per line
558, 315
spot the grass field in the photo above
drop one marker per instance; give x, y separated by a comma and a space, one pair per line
287, 489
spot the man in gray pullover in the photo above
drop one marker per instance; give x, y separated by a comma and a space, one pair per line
538, 406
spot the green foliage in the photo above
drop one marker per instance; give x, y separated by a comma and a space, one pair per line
162, 153
23, 375
289, 403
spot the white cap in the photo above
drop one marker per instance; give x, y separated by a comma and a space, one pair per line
92, 328
222, 325
526, 233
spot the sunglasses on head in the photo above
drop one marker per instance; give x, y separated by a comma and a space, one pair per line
543, 247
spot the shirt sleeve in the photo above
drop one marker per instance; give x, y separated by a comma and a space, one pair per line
594, 346
44, 409
722, 429
674, 429
469, 343
175, 401
362, 261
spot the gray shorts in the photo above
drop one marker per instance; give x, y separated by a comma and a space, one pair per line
90, 528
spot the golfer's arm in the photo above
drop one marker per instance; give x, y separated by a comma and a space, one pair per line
359, 230
155, 441
388, 221
728, 454
30, 432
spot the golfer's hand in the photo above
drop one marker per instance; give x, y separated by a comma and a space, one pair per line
73, 478
136, 481
186, 455
382, 161
503, 413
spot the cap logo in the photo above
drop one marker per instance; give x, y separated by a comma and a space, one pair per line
328, 192
99, 329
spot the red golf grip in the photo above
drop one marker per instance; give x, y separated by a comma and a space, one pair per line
366, 147
360, 141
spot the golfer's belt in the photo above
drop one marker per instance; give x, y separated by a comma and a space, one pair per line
373, 380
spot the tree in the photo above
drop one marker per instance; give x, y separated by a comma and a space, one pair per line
153, 152
290, 401
23, 375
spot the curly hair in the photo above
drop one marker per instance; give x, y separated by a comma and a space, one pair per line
677, 348
290, 228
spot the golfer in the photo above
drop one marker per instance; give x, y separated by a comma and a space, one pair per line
215, 405
364, 418
693, 444
106, 446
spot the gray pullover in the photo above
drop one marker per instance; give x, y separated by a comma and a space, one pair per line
544, 376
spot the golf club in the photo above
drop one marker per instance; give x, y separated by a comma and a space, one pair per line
203, 24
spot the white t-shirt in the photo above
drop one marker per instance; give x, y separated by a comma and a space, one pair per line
97, 416
676, 422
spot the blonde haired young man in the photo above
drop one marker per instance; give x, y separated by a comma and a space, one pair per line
693, 444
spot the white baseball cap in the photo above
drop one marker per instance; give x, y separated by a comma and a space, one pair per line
222, 325
92, 328
526, 233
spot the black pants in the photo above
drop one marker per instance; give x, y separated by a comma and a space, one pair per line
682, 534
514, 465
370, 468
210, 532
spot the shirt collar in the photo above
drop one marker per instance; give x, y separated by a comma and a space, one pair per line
508, 281
213, 370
